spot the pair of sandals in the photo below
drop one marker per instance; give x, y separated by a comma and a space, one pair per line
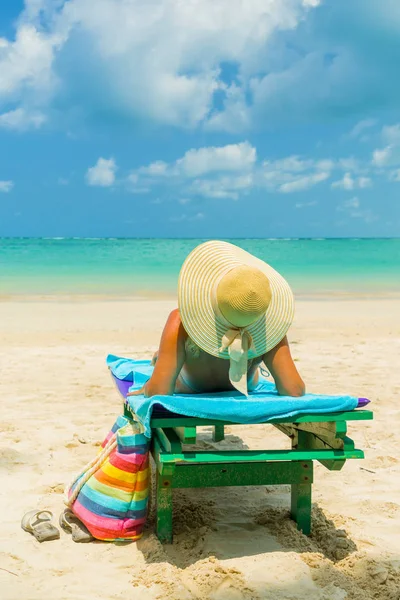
38, 523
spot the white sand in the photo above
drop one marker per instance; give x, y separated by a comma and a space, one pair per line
58, 403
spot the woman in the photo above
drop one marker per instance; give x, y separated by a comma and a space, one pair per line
234, 313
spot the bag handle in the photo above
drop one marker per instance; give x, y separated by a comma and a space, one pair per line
88, 470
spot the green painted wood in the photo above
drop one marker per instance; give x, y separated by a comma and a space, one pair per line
320, 436
258, 455
341, 429
304, 440
182, 421
169, 440
300, 509
157, 450
333, 465
187, 435
164, 508
314, 437
348, 443
218, 433
238, 474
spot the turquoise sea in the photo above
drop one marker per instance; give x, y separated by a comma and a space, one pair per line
149, 267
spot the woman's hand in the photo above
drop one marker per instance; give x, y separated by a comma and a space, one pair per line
137, 392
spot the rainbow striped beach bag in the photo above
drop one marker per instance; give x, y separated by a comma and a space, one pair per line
110, 494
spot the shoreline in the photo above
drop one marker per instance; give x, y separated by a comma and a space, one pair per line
341, 296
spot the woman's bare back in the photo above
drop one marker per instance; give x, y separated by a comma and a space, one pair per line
182, 367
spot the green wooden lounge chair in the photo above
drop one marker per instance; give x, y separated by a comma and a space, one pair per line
313, 437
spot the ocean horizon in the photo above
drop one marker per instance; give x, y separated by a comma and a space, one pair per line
149, 267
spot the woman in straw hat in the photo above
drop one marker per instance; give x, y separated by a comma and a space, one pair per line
234, 313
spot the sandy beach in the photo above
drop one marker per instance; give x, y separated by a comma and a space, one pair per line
58, 403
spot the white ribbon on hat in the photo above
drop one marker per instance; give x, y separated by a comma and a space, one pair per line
238, 342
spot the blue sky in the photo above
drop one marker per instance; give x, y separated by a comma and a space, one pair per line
208, 118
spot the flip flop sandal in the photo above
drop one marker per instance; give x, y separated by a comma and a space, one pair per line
38, 523
71, 524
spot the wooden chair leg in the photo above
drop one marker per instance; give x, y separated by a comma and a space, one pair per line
218, 434
301, 506
164, 508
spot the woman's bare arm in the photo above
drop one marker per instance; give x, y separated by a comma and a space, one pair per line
170, 359
280, 364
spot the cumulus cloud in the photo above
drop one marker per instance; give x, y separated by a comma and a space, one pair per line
21, 120
26, 62
155, 169
102, 174
389, 155
222, 187
294, 174
159, 59
201, 161
303, 183
232, 171
233, 157
219, 64
381, 156
391, 133
6, 186
350, 183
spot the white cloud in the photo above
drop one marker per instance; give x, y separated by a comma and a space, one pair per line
239, 157
160, 59
234, 157
21, 120
350, 164
6, 186
364, 182
233, 170
361, 126
381, 156
222, 187
303, 183
27, 79
290, 163
352, 203
350, 183
157, 168
103, 173
294, 173
391, 134
219, 64
352, 208
389, 155
347, 183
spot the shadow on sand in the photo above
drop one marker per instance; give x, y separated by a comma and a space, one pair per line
214, 525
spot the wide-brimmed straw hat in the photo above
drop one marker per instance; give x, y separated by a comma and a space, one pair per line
233, 305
